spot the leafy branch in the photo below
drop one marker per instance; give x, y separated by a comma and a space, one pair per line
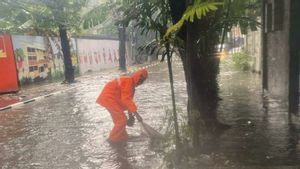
198, 9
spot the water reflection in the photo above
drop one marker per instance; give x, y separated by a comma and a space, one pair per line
293, 136
120, 158
262, 132
70, 130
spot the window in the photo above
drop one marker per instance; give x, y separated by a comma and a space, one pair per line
32, 58
42, 69
30, 49
274, 13
268, 17
278, 15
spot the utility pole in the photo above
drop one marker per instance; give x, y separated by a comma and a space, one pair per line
122, 48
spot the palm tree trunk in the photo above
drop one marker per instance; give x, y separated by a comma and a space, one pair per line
202, 69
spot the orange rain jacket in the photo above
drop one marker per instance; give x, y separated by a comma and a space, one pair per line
118, 93
116, 97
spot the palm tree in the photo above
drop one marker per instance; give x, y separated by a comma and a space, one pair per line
197, 28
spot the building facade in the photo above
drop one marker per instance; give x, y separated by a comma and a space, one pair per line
281, 50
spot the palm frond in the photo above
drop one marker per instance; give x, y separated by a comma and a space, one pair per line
96, 16
198, 9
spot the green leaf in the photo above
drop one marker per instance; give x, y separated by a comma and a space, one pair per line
199, 9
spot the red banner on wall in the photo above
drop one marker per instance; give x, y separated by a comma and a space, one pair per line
8, 70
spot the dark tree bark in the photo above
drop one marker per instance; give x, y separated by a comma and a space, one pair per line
122, 48
69, 71
201, 69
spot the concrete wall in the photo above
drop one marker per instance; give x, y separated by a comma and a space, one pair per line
277, 57
40, 58
97, 54
253, 48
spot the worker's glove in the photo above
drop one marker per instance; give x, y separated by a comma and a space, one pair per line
130, 120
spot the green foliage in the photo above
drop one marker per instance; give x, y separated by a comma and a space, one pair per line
12, 16
242, 13
223, 15
97, 16
219, 15
19, 53
105, 18
198, 9
57, 75
241, 60
41, 17
146, 17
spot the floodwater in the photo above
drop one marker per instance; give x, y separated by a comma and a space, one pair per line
69, 130
262, 133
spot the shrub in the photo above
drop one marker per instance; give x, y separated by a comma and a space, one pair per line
241, 61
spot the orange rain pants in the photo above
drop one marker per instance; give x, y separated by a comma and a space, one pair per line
118, 133
116, 97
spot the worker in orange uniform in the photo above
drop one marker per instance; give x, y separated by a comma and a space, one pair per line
117, 97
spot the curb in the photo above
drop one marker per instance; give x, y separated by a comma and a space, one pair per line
33, 100
143, 67
55, 93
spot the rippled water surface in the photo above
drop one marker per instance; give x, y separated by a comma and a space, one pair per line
262, 132
69, 130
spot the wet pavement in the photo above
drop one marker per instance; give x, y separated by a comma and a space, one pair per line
28, 92
34, 90
69, 130
9, 99
262, 132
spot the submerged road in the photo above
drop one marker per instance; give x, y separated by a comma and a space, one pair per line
69, 130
